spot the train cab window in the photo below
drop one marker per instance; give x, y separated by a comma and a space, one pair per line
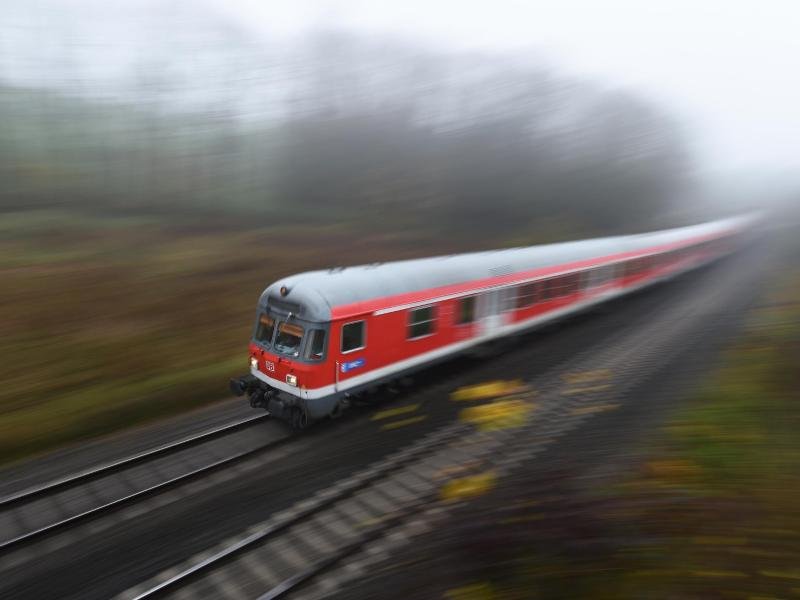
265, 329
528, 294
353, 336
288, 339
315, 347
466, 311
421, 322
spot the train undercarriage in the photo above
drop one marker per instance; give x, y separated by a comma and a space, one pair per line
283, 406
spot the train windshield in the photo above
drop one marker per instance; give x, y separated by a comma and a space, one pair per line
288, 339
264, 329
315, 348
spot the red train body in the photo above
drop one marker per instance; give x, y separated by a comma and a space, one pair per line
326, 335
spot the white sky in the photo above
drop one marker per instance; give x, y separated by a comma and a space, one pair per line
730, 69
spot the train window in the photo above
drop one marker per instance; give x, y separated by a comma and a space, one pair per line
556, 287
265, 328
315, 347
571, 283
353, 336
563, 286
288, 339
421, 322
508, 299
548, 289
466, 311
583, 279
541, 290
593, 277
621, 269
528, 295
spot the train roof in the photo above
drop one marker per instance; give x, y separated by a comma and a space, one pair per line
313, 295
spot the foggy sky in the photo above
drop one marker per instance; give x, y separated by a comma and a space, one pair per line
730, 69
727, 70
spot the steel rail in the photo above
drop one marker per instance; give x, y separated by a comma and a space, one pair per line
109, 468
331, 560
14, 543
368, 479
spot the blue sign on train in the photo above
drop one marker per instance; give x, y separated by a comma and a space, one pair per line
353, 364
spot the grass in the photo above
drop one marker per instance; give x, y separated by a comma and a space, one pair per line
110, 321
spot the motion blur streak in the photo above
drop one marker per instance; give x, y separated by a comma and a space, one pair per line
161, 162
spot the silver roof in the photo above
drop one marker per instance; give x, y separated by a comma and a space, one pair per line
316, 292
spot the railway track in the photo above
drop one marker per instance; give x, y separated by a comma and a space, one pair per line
316, 546
41, 511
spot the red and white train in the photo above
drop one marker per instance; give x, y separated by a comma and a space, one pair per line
323, 336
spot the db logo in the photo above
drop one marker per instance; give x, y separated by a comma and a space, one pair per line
269, 366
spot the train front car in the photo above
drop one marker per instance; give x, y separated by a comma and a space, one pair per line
289, 370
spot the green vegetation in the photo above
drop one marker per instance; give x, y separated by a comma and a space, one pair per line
349, 130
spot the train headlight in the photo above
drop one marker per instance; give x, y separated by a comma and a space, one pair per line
253, 362
291, 380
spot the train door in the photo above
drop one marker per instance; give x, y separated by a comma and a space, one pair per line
489, 311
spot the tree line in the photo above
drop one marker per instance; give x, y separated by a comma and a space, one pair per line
351, 130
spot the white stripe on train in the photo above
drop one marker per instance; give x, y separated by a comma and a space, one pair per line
457, 347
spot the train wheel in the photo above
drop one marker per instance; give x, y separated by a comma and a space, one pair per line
337, 411
299, 418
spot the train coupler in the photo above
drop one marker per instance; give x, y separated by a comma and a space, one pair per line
260, 398
240, 386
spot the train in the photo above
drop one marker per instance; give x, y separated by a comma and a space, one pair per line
322, 338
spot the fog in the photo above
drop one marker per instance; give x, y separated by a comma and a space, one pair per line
578, 116
726, 68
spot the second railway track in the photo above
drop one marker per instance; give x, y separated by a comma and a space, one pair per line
36, 512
